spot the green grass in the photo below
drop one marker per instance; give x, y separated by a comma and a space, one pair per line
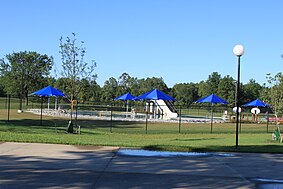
25, 127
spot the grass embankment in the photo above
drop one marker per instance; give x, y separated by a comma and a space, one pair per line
25, 127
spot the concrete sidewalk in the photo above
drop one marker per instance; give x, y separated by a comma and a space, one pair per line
30, 165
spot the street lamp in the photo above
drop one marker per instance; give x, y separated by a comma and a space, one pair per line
238, 51
22, 88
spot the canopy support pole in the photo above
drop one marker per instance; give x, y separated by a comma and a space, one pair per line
56, 102
48, 103
211, 121
146, 121
180, 114
111, 119
41, 111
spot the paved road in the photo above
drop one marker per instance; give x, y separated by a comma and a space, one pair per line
31, 165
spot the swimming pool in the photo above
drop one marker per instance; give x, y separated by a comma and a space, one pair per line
125, 116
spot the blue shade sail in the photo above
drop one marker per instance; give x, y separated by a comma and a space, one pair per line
212, 99
155, 94
49, 91
257, 103
126, 96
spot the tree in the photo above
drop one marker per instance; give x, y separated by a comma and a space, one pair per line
152, 83
203, 89
110, 90
25, 72
210, 86
213, 82
185, 93
95, 91
251, 90
74, 66
128, 84
275, 93
84, 94
124, 81
226, 88
62, 84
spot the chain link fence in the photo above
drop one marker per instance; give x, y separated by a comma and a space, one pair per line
132, 111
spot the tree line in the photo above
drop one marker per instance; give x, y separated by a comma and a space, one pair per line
24, 72
35, 69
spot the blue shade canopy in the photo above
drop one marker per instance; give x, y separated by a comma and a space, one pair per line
48, 91
126, 96
212, 99
257, 103
155, 94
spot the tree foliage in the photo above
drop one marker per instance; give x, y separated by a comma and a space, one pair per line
213, 82
74, 67
252, 90
110, 90
152, 83
30, 68
274, 92
226, 89
129, 84
186, 93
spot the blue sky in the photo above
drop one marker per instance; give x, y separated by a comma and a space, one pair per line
179, 40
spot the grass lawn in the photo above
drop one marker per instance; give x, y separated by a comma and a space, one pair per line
25, 127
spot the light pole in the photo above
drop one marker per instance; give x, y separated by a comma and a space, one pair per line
22, 86
238, 51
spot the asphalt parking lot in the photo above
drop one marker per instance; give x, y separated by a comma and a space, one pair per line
33, 165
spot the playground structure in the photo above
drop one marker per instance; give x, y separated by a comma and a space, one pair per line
163, 109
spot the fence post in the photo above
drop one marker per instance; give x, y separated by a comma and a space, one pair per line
267, 122
9, 102
180, 115
111, 110
240, 122
76, 118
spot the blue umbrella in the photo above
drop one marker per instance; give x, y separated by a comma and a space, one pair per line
213, 99
48, 91
126, 96
155, 94
257, 103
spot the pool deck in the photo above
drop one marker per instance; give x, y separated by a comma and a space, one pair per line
127, 116
33, 165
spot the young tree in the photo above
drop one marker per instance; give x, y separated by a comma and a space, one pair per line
74, 66
275, 93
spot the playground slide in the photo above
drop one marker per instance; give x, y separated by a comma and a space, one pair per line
169, 111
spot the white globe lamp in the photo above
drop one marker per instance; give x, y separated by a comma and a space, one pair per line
238, 50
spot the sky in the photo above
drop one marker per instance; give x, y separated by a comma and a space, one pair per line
181, 41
